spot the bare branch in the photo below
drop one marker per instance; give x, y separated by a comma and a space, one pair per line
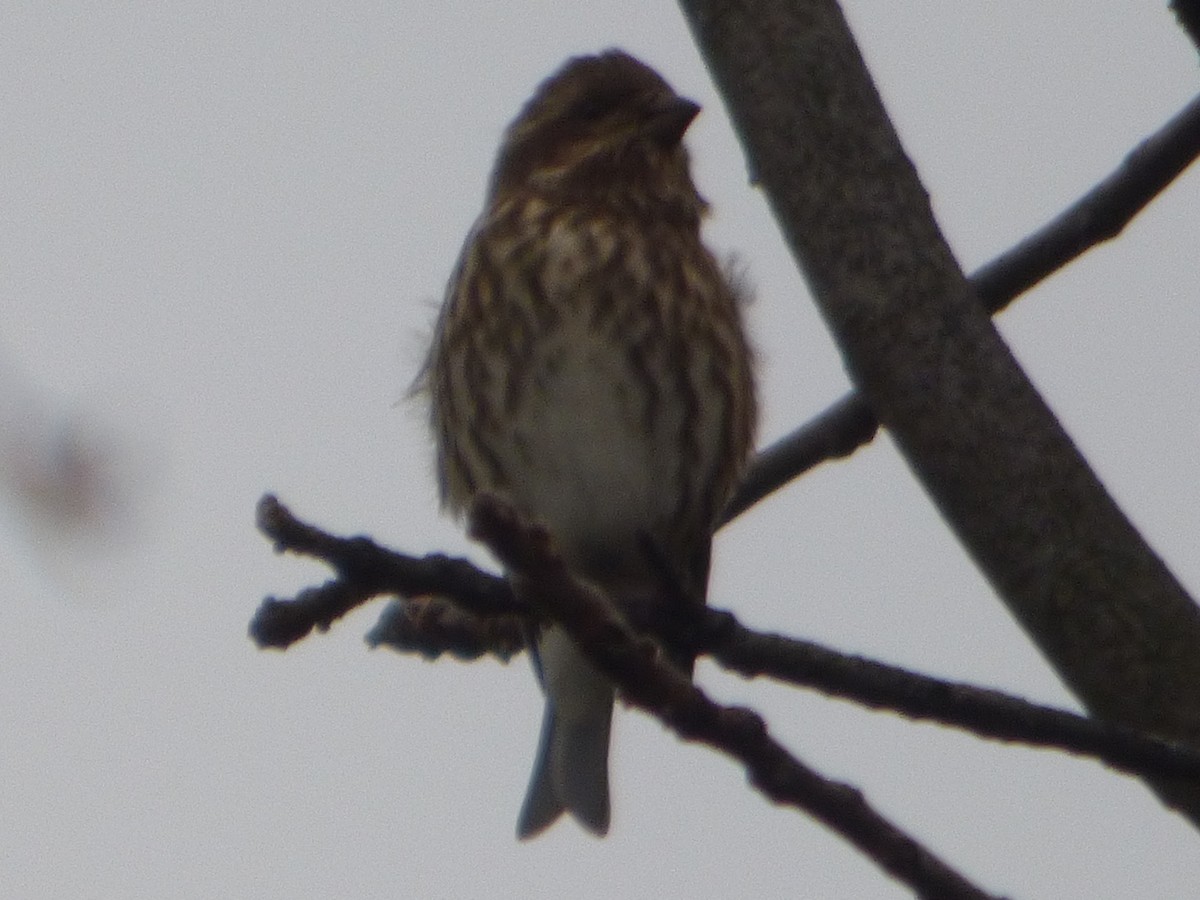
434, 624
837, 432
465, 612
365, 571
983, 712
1098, 216
646, 680
1103, 608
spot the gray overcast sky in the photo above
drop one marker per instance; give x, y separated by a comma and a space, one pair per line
224, 235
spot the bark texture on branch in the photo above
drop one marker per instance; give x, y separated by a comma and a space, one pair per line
1114, 623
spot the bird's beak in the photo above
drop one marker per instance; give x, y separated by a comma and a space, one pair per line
668, 125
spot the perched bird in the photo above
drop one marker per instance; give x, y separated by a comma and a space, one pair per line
590, 366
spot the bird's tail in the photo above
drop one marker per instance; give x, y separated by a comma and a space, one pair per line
570, 773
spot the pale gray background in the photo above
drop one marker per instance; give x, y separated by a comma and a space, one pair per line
223, 236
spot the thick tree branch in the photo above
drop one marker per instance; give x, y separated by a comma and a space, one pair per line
646, 680
1098, 216
1103, 608
1188, 14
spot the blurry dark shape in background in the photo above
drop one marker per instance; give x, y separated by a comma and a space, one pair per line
71, 482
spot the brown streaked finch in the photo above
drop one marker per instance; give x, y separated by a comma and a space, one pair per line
590, 366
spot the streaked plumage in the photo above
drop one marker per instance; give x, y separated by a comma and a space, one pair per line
590, 365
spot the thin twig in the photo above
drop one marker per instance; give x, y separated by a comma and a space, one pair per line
434, 625
984, 712
840, 430
451, 607
365, 571
646, 680
1098, 216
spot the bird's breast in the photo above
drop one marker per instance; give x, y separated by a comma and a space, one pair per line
595, 435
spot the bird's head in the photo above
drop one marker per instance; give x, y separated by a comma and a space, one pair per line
601, 127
